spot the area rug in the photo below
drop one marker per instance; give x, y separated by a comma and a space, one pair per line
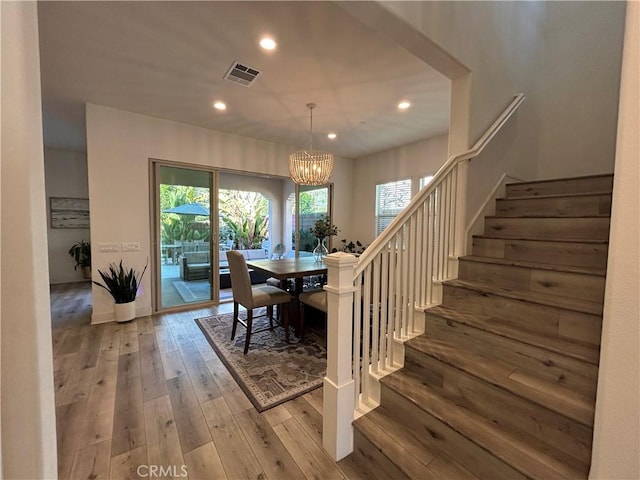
273, 371
197, 291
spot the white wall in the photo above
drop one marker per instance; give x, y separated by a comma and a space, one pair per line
119, 145
27, 393
413, 161
577, 87
65, 173
514, 47
617, 423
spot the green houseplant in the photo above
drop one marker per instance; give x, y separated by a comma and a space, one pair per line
122, 284
322, 229
81, 253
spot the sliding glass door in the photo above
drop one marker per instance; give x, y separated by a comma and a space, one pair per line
186, 264
312, 203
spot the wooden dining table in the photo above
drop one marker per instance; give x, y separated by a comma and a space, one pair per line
290, 268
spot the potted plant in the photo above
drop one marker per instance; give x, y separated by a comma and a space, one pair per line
81, 253
122, 284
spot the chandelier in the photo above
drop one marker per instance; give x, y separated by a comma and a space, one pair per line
310, 167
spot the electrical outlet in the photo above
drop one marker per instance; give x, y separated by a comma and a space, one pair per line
108, 247
130, 246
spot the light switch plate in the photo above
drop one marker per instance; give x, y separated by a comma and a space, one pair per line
108, 247
130, 246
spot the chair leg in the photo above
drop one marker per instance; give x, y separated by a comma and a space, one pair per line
249, 327
302, 313
270, 315
284, 307
235, 320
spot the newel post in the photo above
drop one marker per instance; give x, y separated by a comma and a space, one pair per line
338, 396
460, 225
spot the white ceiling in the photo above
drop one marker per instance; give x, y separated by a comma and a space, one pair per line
167, 59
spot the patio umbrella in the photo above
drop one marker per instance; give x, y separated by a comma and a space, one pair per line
189, 209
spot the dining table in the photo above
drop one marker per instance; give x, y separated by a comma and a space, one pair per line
291, 268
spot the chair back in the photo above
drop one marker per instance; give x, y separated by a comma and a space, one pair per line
240, 280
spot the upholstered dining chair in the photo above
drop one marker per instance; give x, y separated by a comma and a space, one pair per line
312, 298
251, 297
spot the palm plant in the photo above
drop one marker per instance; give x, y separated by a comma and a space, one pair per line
120, 282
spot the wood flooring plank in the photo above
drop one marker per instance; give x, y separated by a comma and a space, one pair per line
312, 459
77, 386
307, 416
231, 391
173, 364
164, 338
131, 465
92, 462
191, 425
69, 420
111, 338
151, 370
235, 453
145, 325
267, 447
98, 424
128, 419
446, 468
276, 415
163, 443
89, 346
129, 342
203, 382
314, 397
203, 463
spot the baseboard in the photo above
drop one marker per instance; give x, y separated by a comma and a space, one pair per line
106, 317
487, 208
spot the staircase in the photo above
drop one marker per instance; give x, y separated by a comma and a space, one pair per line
503, 383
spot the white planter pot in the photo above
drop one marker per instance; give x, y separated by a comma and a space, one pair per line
124, 311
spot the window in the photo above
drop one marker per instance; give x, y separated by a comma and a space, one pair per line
391, 198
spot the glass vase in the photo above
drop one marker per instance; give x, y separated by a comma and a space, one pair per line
320, 251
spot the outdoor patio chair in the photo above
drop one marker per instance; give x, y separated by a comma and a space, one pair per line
254, 297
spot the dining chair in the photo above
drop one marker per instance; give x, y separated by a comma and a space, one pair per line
251, 297
312, 298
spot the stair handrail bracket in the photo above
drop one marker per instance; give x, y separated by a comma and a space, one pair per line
377, 301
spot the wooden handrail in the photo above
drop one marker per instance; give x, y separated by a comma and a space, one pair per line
385, 237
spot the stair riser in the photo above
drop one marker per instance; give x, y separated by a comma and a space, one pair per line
376, 463
562, 370
585, 255
591, 205
436, 435
565, 284
589, 228
599, 184
532, 316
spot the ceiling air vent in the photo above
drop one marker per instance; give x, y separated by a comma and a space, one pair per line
241, 74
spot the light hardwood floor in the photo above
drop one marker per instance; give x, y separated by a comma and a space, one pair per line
151, 399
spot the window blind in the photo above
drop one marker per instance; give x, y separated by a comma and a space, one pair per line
391, 198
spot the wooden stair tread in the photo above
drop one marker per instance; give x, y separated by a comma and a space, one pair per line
526, 454
508, 377
556, 195
571, 348
554, 217
563, 179
543, 239
540, 266
412, 457
547, 299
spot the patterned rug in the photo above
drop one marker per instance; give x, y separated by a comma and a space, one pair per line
273, 371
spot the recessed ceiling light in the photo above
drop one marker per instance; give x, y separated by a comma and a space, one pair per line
219, 105
268, 43
404, 105
332, 136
